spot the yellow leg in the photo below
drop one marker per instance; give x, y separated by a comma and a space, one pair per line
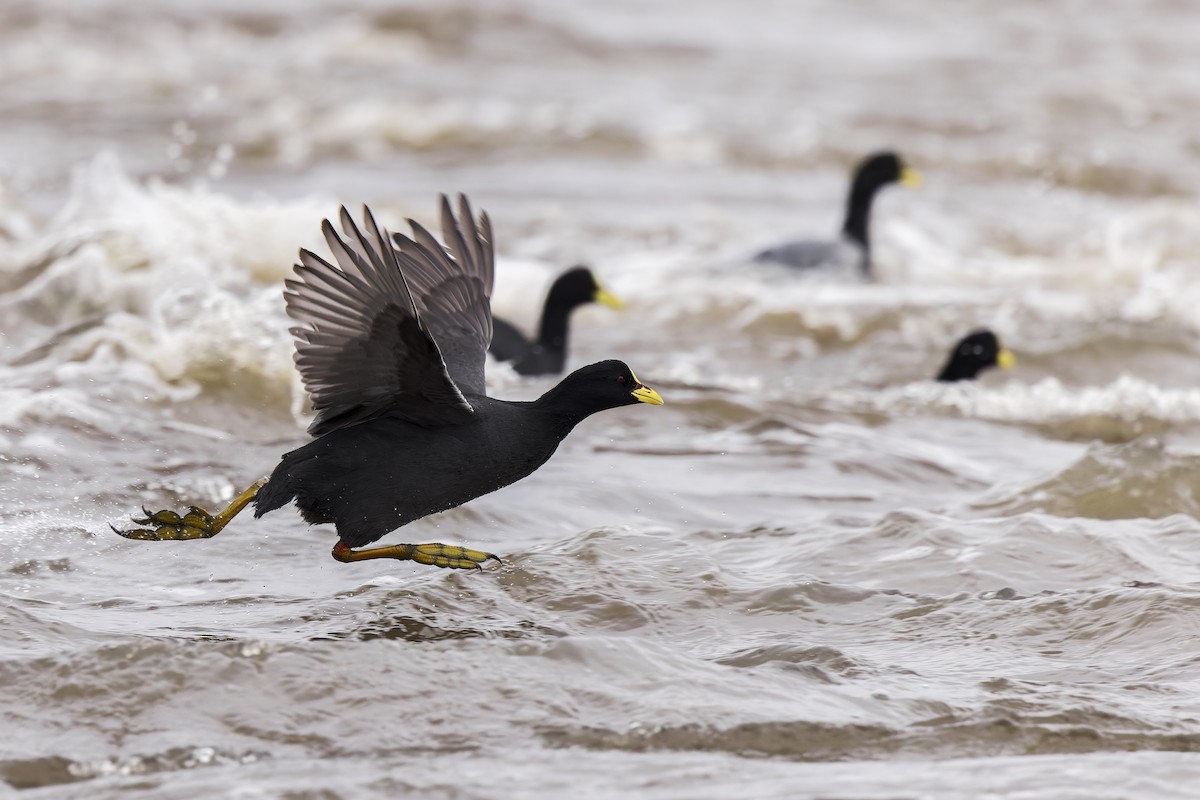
195, 524
434, 553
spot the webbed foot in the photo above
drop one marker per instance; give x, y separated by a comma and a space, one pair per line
195, 524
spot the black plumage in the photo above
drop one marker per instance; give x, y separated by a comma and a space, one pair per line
852, 249
547, 354
391, 345
973, 354
372, 478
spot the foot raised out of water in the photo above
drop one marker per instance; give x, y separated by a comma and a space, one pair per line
169, 526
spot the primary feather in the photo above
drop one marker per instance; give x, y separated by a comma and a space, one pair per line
398, 330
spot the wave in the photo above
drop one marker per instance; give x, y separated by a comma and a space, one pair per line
1140, 480
169, 293
1124, 410
1011, 734
153, 292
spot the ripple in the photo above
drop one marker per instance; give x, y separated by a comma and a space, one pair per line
1141, 479
56, 770
943, 739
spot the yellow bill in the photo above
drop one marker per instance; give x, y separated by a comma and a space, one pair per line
645, 394
605, 299
1005, 359
910, 178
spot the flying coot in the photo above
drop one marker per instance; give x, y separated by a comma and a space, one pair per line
391, 346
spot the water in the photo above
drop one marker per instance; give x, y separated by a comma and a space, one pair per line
813, 573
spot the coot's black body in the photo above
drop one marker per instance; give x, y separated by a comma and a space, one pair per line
372, 478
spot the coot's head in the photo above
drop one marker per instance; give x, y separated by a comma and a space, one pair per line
597, 387
577, 286
880, 169
973, 354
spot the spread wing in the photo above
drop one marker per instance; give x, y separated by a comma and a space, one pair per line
362, 348
452, 288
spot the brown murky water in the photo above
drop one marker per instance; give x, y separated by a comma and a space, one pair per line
813, 573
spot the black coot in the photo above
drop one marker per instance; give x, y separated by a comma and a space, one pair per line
391, 346
852, 249
547, 354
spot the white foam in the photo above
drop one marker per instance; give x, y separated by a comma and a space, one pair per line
1048, 401
183, 286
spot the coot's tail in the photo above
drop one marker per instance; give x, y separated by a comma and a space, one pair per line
276, 494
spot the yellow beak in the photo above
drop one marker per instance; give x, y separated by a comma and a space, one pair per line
605, 299
910, 178
1005, 359
645, 394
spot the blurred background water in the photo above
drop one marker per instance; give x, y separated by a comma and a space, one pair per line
813, 573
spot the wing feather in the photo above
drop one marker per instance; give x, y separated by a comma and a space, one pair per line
452, 288
362, 348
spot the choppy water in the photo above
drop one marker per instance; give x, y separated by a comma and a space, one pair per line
813, 573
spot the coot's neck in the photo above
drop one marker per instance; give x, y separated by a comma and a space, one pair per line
956, 371
552, 331
858, 216
565, 407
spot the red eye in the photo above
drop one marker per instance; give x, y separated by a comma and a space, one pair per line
621, 379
